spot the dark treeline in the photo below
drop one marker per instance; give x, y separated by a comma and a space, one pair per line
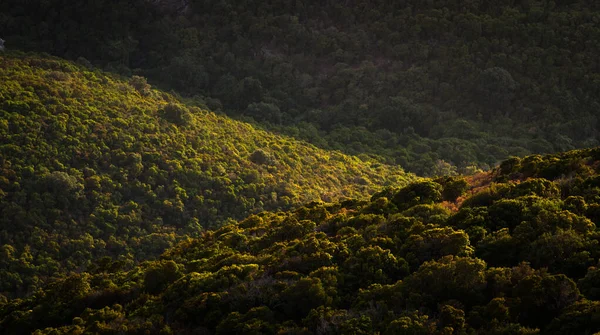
431, 85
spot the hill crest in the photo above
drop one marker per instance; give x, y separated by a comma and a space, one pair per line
113, 167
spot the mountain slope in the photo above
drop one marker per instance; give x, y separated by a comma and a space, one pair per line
106, 167
420, 83
519, 256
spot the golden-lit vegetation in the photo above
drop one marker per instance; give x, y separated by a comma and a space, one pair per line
93, 165
431, 85
225, 201
516, 258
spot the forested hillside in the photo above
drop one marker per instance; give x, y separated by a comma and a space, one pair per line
93, 165
510, 252
237, 167
418, 83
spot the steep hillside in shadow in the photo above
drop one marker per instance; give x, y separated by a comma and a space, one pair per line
425, 84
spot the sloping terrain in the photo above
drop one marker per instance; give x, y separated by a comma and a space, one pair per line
93, 165
430, 85
520, 256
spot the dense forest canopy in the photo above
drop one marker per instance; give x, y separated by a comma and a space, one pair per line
92, 165
429, 85
265, 193
510, 252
